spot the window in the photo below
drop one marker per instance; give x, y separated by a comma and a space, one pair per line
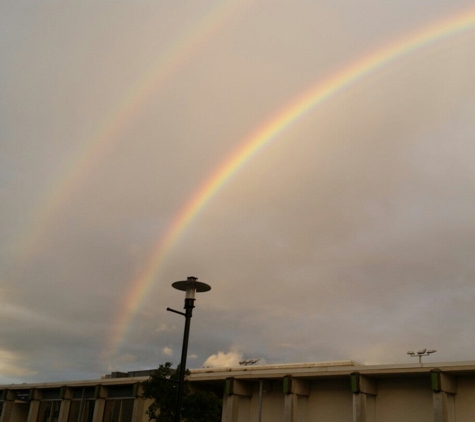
81, 411
49, 411
118, 410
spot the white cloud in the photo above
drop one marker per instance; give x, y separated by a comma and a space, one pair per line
167, 351
221, 359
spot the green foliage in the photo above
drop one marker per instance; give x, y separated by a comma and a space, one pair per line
163, 392
201, 406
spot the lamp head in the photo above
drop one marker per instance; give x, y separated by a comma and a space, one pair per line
191, 286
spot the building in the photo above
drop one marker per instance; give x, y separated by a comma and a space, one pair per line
311, 392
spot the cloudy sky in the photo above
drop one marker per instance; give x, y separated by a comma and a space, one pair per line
350, 234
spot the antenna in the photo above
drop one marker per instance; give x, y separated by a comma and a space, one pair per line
420, 353
248, 362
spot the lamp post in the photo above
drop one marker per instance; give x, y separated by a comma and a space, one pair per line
420, 353
190, 286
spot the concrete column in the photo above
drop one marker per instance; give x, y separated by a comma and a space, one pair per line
444, 409
64, 410
66, 396
7, 406
364, 391
34, 410
138, 412
98, 410
231, 409
290, 408
139, 404
235, 391
35, 397
100, 394
296, 393
444, 388
7, 411
363, 407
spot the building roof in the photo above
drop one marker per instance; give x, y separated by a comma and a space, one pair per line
311, 370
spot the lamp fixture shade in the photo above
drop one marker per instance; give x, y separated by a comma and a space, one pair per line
191, 286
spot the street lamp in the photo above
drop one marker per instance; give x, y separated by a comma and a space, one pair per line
190, 286
420, 353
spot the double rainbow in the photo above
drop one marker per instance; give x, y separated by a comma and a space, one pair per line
258, 139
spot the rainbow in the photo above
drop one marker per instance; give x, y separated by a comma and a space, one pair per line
258, 139
75, 172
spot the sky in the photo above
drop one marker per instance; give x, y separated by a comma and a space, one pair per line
312, 161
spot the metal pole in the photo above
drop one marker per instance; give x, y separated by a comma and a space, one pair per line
81, 406
189, 305
259, 405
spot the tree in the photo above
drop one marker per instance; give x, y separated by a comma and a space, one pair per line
202, 406
199, 406
162, 389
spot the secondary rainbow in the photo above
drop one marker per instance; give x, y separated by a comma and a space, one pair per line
107, 133
258, 139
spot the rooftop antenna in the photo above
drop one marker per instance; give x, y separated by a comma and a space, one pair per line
248, 362
420, 353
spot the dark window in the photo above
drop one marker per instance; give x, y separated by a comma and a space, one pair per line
49, 411
119, 391
81, 411
118, 410
22, 395
84, 392
51, 394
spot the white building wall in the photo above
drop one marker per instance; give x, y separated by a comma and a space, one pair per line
465, 399
273, 406
330, 400
404, 400
397, 393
